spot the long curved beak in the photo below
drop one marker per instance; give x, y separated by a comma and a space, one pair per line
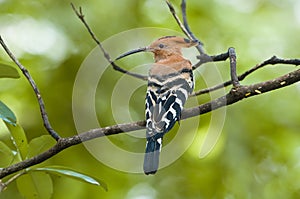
132, 52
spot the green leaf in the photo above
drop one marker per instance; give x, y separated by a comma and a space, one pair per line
64, 171
6, 155
8, 71
7, 115
39, 145
35, 185
19, 139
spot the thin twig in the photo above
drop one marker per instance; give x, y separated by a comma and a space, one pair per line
35, 89
173, 12
188, 29
271, 61
80, 15
4, 185
204, 58
184, 27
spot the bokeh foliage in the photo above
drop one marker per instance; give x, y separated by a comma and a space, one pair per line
258, 153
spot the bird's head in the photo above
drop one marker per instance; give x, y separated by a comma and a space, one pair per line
164, 46
171, 44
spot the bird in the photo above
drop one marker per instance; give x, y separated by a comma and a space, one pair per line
170, 82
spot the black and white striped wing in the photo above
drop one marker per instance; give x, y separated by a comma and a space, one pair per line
164, 101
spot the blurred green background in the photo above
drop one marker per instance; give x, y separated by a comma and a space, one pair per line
258, 152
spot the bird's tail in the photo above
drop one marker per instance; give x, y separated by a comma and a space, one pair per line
151, 161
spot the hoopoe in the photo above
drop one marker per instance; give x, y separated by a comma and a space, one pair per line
170, 82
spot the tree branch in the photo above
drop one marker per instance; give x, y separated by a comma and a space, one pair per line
234, 78
80, 15
185, 27
271, 61
179, 23
26, 73
204, 58
232, 97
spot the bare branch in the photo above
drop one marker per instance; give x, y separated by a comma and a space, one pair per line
271, 61
173, 12
232, 97
234, 78
80, 15
242, 92
35, 89
3, 185
185, 27
204, 58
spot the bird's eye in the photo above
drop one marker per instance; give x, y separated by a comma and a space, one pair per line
187, 40
161, 46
